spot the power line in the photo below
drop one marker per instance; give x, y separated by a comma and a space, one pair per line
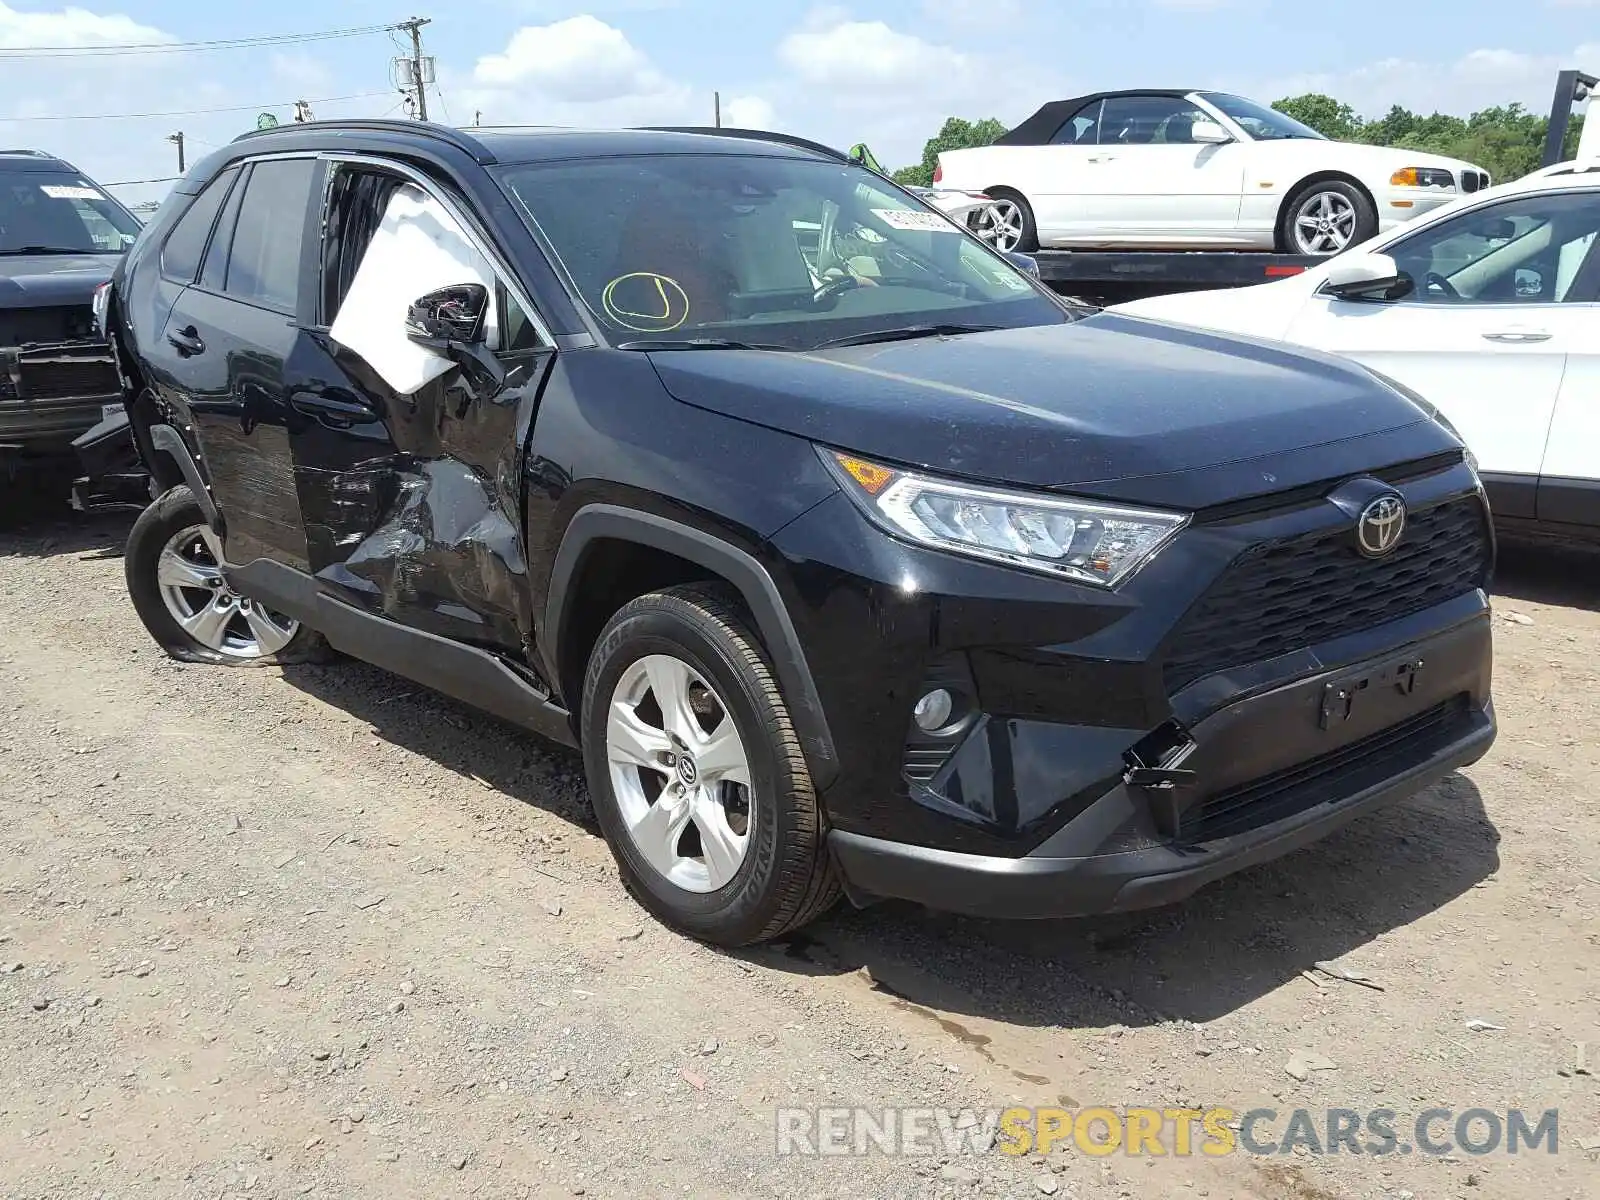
112, 50
189, 112
131, 182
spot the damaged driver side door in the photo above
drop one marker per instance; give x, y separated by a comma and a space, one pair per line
411, 399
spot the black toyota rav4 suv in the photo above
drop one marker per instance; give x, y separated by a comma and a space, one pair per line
851, 557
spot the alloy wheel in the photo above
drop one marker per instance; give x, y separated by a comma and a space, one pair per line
999, 224
198, 596
1325, 223
680, 773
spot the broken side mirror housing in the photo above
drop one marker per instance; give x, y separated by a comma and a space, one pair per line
449, 317
1365, 276
453, 321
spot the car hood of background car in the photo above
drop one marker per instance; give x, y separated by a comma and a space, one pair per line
45, 280
1109, 406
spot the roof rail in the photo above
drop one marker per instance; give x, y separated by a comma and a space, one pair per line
753, 135
443, 133
29, 153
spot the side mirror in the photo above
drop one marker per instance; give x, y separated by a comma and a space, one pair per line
1209, 133
449, 318
451, 321
1026, 263
1365, 277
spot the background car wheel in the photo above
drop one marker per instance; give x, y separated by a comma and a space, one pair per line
1006, 224
176, 584
697, 776
1326, 217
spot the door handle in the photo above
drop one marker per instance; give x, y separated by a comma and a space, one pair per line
335, 414
186, 341
1517, 336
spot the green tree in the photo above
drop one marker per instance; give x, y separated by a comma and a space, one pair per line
955, 134
1506, 140
1329, 117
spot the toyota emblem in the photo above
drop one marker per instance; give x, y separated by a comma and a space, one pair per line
1380, 525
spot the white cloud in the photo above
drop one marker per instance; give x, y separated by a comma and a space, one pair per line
578, 60
1480, 79
870, 58
749, 112
72, 27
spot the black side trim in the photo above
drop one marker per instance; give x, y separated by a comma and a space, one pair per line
1569, 501
464, 672
755, 585
1511, 495
166, 438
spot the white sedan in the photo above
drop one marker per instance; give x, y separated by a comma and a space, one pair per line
1193, 170
1490, 310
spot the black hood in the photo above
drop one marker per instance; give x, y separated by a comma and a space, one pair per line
1110, 406
48, 280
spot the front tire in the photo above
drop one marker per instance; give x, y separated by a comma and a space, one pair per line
696, 774
1325, 218
173, 564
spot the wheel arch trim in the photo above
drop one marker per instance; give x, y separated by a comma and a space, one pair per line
167, 439
753, 582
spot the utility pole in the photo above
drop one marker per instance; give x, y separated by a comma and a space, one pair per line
414, 28
477, 117
177, 140
716, 108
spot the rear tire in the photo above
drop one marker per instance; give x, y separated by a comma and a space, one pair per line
696, 774
175, 582
1010, 221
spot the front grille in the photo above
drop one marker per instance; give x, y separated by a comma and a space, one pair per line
1474, 181
64, 379
56, 323
1289, 595
1326, 779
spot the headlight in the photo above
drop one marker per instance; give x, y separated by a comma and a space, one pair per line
1422, 177
1082, 540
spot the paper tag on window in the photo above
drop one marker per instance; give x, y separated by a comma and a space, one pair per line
910, 218
58, 191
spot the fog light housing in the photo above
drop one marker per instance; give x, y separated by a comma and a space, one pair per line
934, 710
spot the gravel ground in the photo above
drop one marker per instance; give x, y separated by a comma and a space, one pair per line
313, 932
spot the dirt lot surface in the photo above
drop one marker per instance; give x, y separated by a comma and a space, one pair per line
312, 932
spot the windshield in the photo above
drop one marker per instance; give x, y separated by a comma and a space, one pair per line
1262, 123
782, 253
62, 213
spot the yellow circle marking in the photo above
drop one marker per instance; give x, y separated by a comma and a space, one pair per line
674, 301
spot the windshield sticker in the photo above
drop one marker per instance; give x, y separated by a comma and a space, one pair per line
646, 302
908, 218
59, 191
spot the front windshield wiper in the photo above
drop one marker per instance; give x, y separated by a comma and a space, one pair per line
904, 333
699, 344
52, 250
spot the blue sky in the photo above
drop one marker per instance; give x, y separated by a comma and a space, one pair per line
886, 73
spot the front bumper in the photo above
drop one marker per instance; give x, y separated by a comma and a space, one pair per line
1273, 772
52, 393
1401, 204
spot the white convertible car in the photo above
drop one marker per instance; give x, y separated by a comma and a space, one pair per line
1488, 309
1192, 170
